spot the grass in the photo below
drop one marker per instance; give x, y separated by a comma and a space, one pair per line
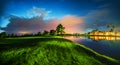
49, 51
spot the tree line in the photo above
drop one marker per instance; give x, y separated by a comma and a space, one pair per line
59, 31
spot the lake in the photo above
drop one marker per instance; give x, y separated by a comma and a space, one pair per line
109, 46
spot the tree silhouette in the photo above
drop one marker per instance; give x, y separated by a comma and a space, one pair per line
12, 35
52, 32
108, 26
111, 27
38, 34
60, 29
45, 32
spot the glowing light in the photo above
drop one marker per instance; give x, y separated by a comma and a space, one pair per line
73, 23
24, 32
104, 38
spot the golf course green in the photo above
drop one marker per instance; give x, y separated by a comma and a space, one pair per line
49, 51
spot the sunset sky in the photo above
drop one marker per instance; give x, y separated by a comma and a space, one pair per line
77, 16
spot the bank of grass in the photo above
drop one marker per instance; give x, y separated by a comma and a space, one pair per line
49, 51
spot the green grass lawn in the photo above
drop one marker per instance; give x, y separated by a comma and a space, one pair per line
49, 51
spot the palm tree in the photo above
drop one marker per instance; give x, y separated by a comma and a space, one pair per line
108, 26
60, 29
113, 27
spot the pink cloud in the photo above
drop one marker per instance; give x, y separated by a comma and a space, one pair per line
71, 23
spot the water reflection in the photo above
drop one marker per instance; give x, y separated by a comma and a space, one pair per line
103, 44
103, 38
96, 38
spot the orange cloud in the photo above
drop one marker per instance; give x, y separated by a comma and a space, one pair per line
71, 23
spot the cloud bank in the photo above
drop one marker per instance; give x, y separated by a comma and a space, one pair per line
20, 25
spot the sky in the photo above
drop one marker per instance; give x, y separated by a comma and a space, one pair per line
77, 16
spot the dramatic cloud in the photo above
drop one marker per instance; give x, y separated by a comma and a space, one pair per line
20, 25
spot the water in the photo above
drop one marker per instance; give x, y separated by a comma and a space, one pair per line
109, 46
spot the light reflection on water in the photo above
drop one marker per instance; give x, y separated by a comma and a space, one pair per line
105, 45
104, 38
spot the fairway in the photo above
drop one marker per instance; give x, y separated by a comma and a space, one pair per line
49, 51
